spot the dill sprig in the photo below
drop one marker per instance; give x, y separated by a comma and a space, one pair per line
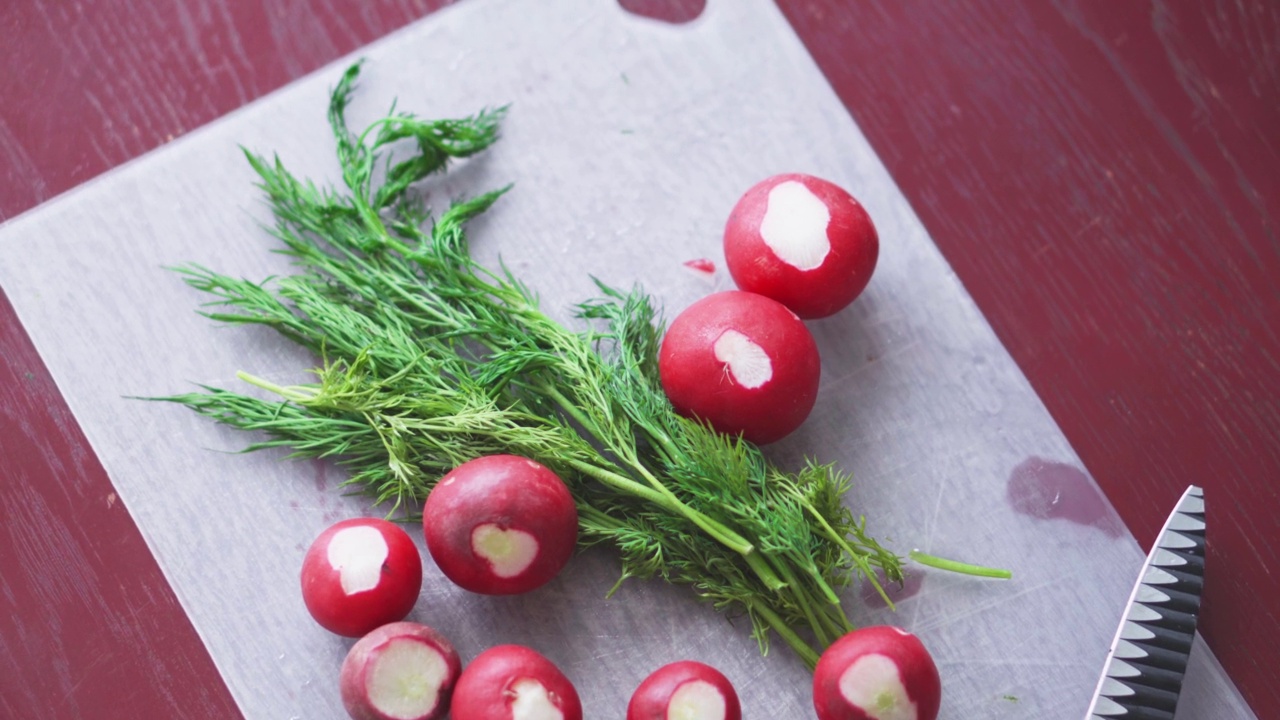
429, 359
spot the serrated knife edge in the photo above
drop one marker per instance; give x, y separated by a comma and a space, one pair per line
1104, 704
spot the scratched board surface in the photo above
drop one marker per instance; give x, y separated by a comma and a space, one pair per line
628, 141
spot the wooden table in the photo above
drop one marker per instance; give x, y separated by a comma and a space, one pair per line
1102, 177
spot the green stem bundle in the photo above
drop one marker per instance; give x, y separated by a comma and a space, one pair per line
430, 360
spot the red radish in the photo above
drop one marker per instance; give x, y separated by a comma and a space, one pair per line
802, 241
500, 525
401, 671
513, 682
877, 673
360, 574
743, 363
685, 690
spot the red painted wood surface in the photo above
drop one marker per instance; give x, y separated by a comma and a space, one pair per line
88, 625
1102, 176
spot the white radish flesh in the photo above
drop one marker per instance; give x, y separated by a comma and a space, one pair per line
401, 671
873, 683
746, 361
532, 702
508, 552
795, 225
685, 690
513, 682
357, 554
696, 700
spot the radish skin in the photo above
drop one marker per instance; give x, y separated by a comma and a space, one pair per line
359, 574
877, 673
685, 690
400, 671
743, 363
802, 241
513, 682
500, 525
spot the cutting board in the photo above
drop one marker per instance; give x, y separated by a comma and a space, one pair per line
628, 142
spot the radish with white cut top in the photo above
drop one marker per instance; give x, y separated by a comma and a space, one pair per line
743, 363
513, 682
401, 671
360, 574
685, 690
802, 241
500, 525
877, 673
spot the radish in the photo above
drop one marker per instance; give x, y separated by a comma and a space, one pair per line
360, 574
500, 525
802, 241
743, 363
685, 690
401, 671
513, 682
877, 673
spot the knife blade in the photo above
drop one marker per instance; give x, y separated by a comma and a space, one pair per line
1142, 675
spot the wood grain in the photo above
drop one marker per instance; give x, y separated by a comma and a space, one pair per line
88, 625
90, 85
1102, 176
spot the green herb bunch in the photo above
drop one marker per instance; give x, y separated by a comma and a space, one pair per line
429, 359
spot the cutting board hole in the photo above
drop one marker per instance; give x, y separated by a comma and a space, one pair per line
673, 11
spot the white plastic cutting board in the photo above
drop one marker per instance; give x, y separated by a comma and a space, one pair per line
628, 142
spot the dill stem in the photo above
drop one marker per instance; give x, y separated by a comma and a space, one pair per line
956, 566
854, 555
573, 412
295, 394
663, 441
760, 566
837, 625
621, 482
670, 501
797, 590
717, 531
659, 493
801, 648
723, 533
812, 571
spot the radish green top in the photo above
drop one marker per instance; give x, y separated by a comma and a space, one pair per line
431, 360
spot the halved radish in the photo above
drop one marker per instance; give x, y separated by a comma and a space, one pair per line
877, 673
401, 671
685, 690
743, 363
500, 525
359, 574
802, 241
513, 682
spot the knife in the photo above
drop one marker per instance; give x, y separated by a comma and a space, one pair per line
1143, 672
